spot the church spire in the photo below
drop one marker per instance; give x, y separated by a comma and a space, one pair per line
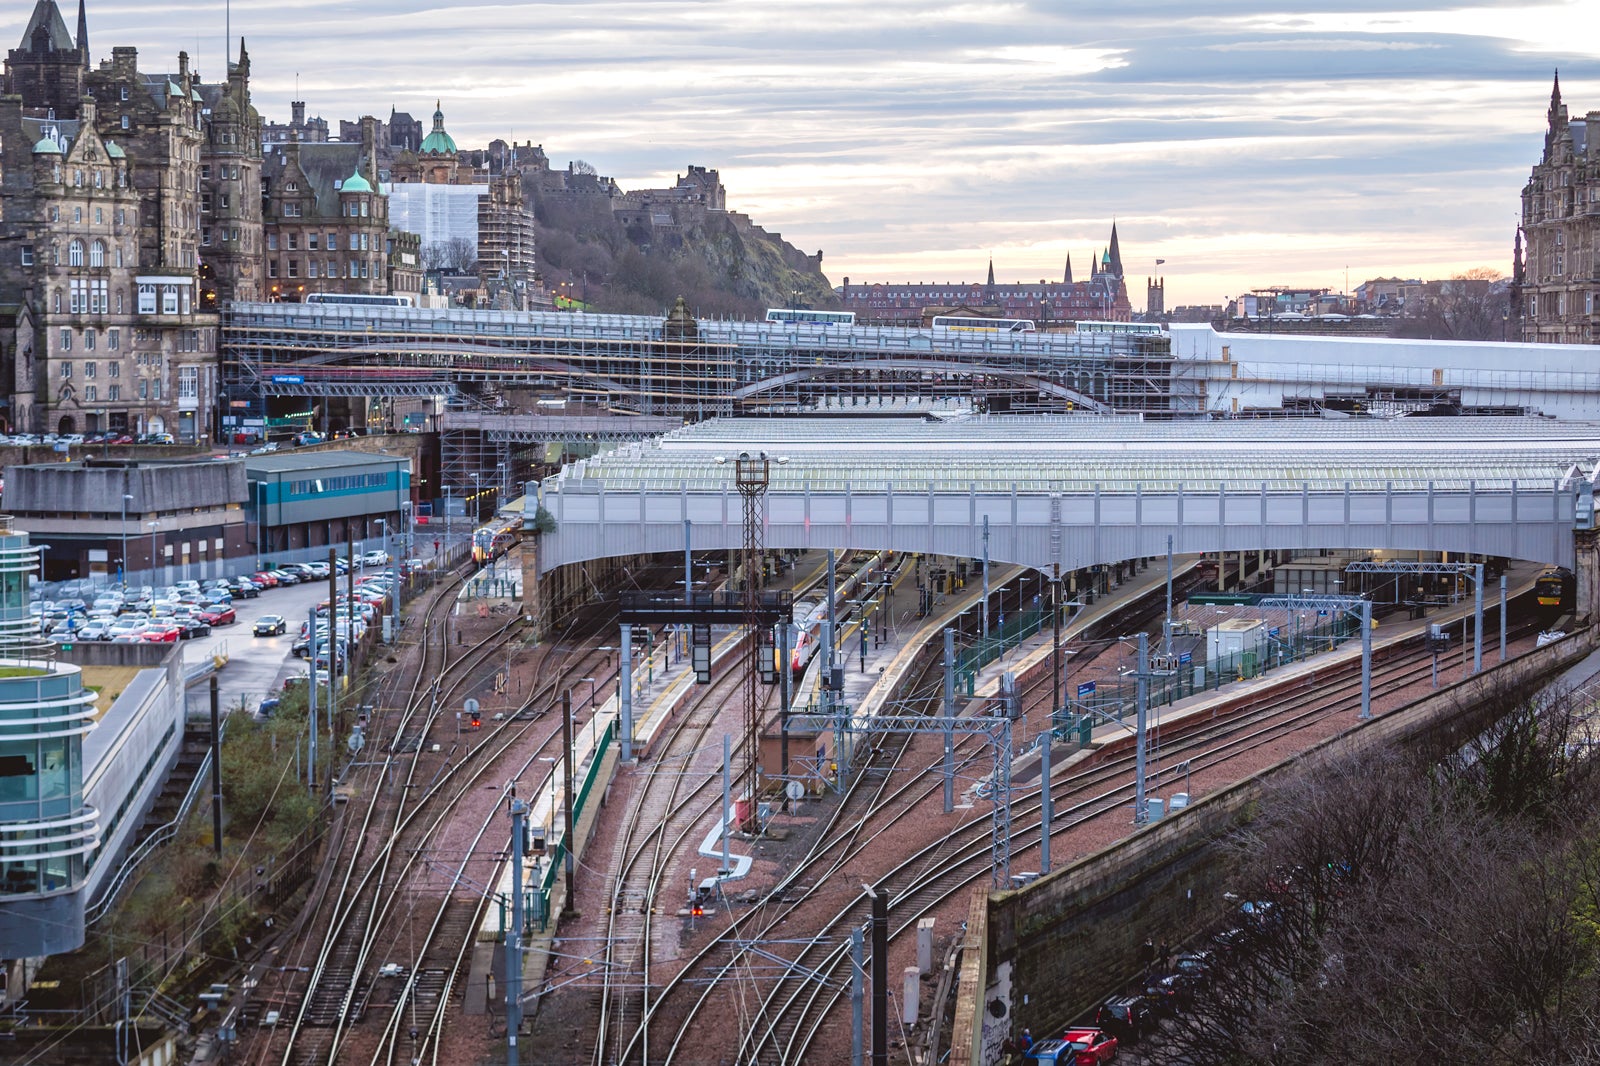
1555, 98
83, 34
1116, 251
1068, 279
990, 282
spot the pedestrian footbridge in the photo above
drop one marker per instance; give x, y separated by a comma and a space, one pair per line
1074, 491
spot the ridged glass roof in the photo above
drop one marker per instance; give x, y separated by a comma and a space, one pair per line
1077, 454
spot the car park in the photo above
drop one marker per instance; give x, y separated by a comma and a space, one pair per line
269, 625
286, 576
161, 634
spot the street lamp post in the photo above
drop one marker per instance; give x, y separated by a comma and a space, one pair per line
591, 689
153, 527
122, 564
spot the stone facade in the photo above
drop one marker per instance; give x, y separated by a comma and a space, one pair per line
1555, 278
326, 225
232, 236
100, 244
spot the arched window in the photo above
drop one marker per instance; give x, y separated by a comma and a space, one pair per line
97, 254
75, 253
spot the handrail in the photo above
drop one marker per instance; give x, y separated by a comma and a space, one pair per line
160, 837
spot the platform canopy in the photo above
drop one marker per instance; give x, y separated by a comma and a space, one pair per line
1072, 490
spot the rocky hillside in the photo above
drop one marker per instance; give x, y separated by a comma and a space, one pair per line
721, 263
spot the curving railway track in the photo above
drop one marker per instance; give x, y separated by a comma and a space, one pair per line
796, 1006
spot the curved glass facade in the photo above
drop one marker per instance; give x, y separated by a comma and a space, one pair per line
46, 828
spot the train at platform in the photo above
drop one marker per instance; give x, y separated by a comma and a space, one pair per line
494, 540
811, 613
1555, 591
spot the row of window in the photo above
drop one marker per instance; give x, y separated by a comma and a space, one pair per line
355, 268
96, 257
113, 344
359, 242
1558, 306
316, 486
91, 393
189, 340
92, 369
96, 177
99, 215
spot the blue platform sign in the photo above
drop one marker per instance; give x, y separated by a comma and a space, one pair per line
1086, 690
288, 379
1185, 658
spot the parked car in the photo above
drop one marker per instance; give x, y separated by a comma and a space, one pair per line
375, 557
95, 631
192, 628
268, 707
243, 590
286, 577
161, 634
1092, 1047
1127, 1018
219, 615
265, 578
270, 625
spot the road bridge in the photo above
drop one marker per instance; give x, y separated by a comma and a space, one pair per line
1076, 491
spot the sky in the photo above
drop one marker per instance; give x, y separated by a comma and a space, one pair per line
1247, 143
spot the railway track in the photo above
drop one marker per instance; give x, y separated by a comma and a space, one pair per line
792, 1012
407, 794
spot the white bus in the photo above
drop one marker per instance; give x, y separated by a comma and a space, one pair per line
1119, 327
363, 299
819, 318
984, 325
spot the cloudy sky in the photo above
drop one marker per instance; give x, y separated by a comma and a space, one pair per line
1246, 142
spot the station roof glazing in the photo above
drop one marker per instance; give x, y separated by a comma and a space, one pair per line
1077, 454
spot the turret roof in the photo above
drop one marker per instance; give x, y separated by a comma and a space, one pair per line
438, 142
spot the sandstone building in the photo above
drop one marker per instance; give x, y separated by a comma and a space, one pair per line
1554, 262
102, 327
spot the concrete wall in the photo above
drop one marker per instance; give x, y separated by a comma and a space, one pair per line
1069, 937
74, 488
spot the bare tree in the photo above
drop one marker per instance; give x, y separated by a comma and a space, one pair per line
1416, 912
1472, 306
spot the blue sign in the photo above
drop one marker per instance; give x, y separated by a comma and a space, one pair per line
1185, 658
288, 379
1086, 690
1273, 632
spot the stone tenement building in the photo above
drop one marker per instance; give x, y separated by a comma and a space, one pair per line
1555, 277
327, 225
100, 187
1103, 297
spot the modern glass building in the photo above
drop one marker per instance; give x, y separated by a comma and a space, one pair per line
47, 830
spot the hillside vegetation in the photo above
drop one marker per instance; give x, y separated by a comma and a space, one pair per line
720, 263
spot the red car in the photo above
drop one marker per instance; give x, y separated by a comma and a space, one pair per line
1091, 1047
261, 577
218, 616
161, 635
